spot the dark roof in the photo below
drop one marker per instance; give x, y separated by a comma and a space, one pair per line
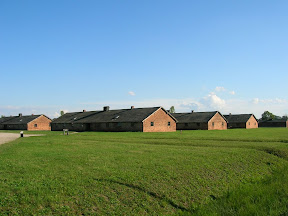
5, 119
198, 117
239, 118
274, 120
73, 116
121, 115
21, 119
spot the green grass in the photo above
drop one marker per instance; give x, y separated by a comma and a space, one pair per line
233, 172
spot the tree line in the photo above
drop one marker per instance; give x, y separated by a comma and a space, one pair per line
270, 116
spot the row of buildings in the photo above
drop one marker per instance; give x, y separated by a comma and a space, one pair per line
153, 119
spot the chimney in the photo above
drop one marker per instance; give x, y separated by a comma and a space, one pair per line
32, 114
84, 110
20, 114
132, 107
192, 111
106, 108
230, 114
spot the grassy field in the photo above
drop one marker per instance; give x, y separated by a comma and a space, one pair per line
233, 172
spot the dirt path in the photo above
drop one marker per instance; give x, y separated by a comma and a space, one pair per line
8, 137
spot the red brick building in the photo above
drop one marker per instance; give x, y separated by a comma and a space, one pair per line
30, 122
200, 121
247, 121
154, 119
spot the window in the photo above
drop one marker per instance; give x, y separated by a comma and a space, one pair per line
255, 123
107, 125
152, 124
186, 124
119, 124
213, 124
132, 124
35, 125
249, 123
198, 124
115, 117
222, 123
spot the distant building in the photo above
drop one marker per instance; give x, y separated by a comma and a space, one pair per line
274, 123
154, 119
29, 122
200, 121
242, 121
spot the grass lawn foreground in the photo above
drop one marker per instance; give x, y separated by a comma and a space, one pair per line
232, 172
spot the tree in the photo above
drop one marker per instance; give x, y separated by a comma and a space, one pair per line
2, 116
285, 117
61, 112
172, 109
268, 116
278, 117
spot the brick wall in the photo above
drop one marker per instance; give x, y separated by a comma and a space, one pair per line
40, 123
217, 122
251, 123
160, 121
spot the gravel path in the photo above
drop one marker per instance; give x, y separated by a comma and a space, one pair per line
8, 137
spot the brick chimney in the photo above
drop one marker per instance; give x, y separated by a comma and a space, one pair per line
192, 111
20, 114
132, 107
106, 108
84, 110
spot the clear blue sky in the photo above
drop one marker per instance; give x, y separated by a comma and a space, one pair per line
230, 56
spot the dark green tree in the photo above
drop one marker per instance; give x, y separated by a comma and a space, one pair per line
268, 116
61, 112
172, 109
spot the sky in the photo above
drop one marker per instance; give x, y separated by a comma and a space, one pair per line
230, 56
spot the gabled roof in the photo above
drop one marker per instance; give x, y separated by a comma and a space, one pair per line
21, 119
5, 119
239, 118
274, 120
73, 116
121, 115
198, 117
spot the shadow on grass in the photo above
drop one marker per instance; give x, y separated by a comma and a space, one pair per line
135, 187
276, 152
